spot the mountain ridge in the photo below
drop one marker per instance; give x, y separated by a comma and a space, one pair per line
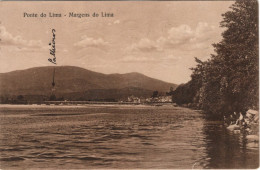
77, 80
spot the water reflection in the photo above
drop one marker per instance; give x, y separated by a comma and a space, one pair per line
118, 137
228, 149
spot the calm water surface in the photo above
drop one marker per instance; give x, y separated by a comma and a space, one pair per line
118, 137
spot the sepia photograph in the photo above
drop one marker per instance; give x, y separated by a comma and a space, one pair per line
129, 84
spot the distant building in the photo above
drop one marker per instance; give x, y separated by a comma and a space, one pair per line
163, 99
148, 99
134, 99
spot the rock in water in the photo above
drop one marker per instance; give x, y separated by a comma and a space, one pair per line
253, 112
252, 138
233, 127
250, 113
236, 131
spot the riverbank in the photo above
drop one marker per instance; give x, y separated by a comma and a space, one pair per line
248, 122
88, 102
101, 105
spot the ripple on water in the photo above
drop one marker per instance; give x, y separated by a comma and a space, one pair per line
119, 137
12, 159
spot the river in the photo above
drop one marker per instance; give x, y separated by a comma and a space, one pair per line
114, 136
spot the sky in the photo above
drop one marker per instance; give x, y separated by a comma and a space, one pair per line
156, 38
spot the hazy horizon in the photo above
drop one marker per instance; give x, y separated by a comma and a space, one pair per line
158, 38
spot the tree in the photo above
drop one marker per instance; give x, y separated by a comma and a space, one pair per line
228, 81
234, 69
155, 94
20, 97
170, 93
52, 97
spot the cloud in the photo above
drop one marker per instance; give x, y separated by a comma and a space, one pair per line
144, 45
160, 58
181, 34
182, 37
137, 59
7, 39
117, 22
171, 57
178, 45
91, 42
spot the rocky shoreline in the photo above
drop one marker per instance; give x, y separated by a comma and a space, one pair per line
249, 123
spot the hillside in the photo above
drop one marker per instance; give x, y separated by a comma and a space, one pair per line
72, 80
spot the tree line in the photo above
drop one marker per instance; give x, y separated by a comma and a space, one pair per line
229, 80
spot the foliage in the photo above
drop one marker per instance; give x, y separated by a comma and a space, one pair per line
228, 81
155, 94
170, 93
184, 93
20, 97
52, 97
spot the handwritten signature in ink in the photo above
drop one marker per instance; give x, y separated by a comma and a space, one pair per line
53, 49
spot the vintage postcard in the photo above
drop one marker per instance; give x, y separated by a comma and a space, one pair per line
129, 85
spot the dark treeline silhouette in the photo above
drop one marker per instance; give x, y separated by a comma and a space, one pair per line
13, 100
228, 81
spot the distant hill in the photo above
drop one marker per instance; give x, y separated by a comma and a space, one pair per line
77, 83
